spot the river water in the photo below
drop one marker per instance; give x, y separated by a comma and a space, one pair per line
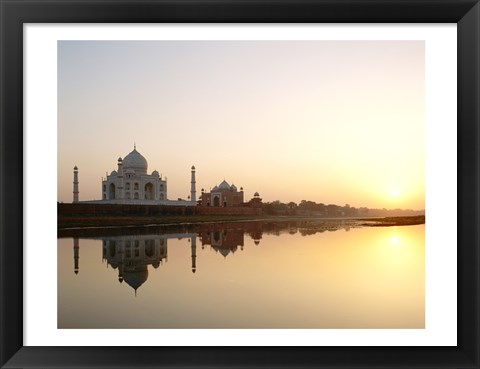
243, 275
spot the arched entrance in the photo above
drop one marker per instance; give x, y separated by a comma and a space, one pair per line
216, 201
149, 191
150, 248
111, 191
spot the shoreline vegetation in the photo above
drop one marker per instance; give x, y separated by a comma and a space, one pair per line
109, 221
394, 221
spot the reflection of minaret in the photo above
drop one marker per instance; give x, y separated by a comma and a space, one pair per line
121, 254
194, 253
75, 184
193, 192
76, 249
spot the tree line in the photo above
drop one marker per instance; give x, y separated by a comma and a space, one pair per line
311, 208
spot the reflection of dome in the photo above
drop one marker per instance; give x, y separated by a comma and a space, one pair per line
136, 277
224, 185
136, 161
224, 251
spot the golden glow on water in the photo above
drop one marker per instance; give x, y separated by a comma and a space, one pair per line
360, 278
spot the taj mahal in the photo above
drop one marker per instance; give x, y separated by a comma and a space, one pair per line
130, 183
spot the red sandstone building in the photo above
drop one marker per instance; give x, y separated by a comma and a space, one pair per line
227, 196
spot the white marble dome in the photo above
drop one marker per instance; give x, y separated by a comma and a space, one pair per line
135, 161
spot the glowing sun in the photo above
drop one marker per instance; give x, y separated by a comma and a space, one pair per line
394, 192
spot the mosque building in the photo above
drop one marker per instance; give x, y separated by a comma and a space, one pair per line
227, 196
131, 183
223, 195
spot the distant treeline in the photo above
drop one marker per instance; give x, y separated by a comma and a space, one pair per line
311, 208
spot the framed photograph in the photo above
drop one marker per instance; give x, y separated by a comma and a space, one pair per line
239, 184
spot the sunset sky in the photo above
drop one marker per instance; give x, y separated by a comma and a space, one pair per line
335, 122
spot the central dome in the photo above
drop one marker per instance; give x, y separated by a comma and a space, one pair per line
135, 161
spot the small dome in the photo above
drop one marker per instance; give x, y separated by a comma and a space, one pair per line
256, 194
75, 168
120, 159
224, 185
155, 173
215, 188
233, 187
193, 167
114, 173
136, 161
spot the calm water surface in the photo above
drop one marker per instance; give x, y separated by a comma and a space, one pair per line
243, 275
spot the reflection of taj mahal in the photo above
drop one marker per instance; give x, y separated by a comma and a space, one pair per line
131, 255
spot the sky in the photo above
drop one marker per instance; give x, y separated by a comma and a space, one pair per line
335, 122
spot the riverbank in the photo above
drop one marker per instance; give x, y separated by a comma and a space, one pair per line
394, 221
100, 221
74, 221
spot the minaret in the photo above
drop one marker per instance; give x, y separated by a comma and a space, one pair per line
76, 255
121, 194
193, 192
75, 184
194, 253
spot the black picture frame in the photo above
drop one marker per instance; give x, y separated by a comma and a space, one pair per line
15, 13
